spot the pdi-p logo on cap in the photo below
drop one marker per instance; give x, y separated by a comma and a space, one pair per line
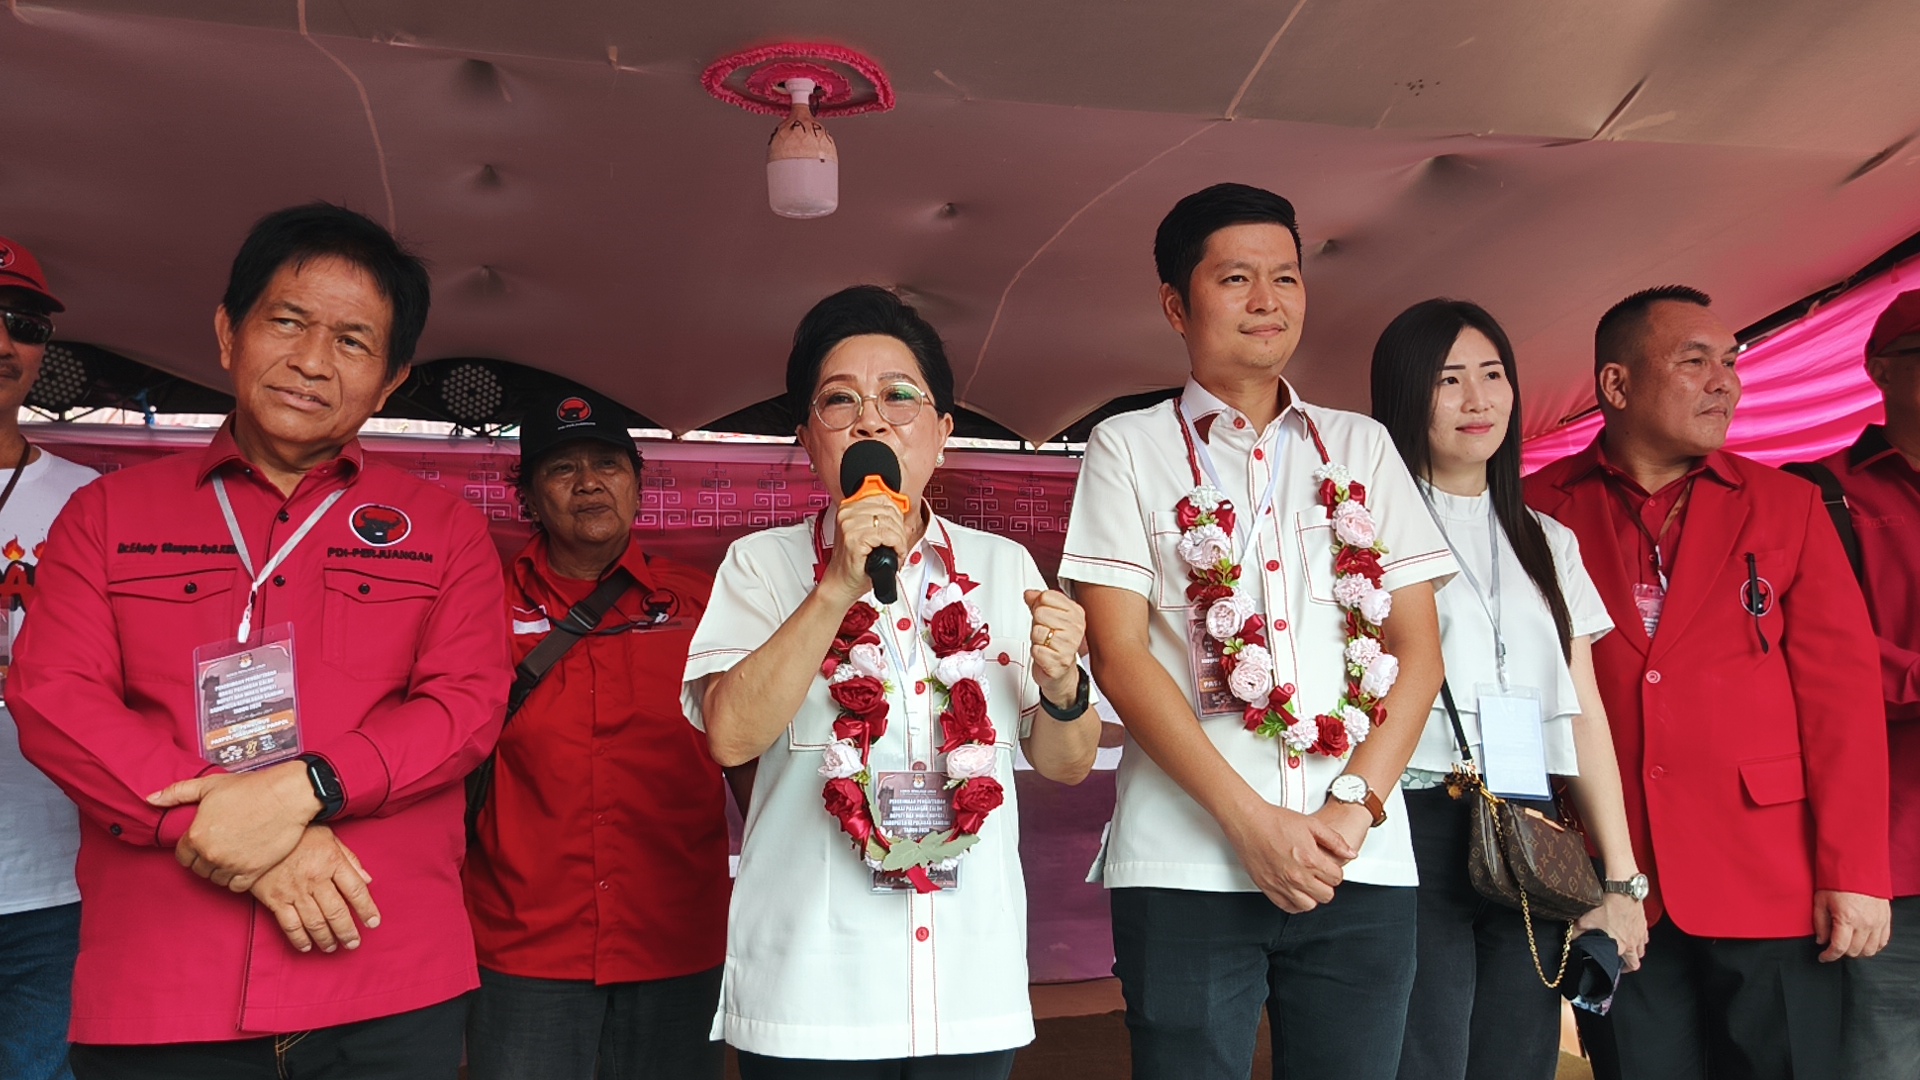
380, 526
6, 256
573, 411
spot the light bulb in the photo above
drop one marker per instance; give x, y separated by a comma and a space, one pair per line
803, 166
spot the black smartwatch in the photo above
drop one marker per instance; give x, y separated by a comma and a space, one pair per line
1081, 698
326, 786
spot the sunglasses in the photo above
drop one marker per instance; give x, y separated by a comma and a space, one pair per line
26, 327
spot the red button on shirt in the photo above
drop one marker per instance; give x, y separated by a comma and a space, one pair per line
1883, 495
905, 624
922, 934
1259, 454
914, 559
1239, 421
401, 690
603, 739
1273, 565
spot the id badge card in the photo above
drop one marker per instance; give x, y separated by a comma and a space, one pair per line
913, 805
1210, 694
1513, 745
247, 709
6, 647
1649, 600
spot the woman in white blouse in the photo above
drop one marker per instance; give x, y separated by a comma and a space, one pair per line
878, 926
1517, 627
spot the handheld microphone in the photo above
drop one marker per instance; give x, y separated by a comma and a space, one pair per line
867, 469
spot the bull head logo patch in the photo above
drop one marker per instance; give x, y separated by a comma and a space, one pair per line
380, 526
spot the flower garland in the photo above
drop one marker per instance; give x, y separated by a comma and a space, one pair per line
856, 671
1206, 519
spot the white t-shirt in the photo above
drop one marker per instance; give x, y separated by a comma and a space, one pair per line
1534, 659
39, 827
1123, 533
818, 965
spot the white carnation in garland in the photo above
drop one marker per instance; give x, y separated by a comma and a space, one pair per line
1227, 616
1381, 675
840, 760
1363, 651
1204, 546
946, 594
867, 659
962, 665
1336, 473
1206, 498
1251, 682
1376, 606
1301, 734
1350, 589
1358, 724
843, 672
970, 760
1353, 524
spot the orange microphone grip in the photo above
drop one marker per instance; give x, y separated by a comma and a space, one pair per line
872, 486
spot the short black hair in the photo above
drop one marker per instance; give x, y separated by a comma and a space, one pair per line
851, 312
1619, 331
317, 230
1181, 239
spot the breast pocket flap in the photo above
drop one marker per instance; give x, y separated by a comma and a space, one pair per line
191, 587
1775, 780
371, 588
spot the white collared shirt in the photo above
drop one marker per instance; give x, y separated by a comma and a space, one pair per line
1534, 659
1123, 533
818, 965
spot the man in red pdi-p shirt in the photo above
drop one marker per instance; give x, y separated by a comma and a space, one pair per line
329, 937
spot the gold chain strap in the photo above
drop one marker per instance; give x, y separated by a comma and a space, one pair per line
1526, 911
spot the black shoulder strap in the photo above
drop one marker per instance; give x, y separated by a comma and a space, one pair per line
1836, 500
1453, 714
579, 621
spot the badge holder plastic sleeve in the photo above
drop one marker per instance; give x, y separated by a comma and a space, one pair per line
913, 805
247, 702
1513, 753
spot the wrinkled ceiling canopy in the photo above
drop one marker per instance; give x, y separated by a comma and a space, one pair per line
590, 211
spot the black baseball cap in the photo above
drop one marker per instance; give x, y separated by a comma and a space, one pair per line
562, 414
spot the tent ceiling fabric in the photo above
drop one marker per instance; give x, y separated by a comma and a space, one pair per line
590, 211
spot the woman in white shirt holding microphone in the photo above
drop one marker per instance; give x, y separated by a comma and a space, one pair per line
878, 926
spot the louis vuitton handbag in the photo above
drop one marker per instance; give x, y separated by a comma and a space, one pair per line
1521, 857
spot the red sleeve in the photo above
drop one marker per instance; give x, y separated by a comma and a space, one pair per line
68, 692
1899, 675
1830, 654
456, 697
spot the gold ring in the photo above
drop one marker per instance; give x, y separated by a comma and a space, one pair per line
876, 521
1048, 640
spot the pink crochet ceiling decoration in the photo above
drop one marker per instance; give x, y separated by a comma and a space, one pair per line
1804, 390
845, 82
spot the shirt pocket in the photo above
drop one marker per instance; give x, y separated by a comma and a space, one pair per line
166, 616
373, 623
1169, 569
1313, 534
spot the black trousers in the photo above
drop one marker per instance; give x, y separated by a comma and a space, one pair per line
1197, 968
1720, 1009
420, 1045
560, 1029
993, 1066
1478, 1008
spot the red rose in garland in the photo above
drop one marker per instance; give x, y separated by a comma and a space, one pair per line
966, 717
973, 800
856, 628
847, 801
952, 631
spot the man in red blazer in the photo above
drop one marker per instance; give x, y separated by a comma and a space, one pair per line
1742, 688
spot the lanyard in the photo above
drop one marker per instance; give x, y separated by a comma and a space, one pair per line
1203, 460
1679, 507
26, 451
273, 563
1491, 606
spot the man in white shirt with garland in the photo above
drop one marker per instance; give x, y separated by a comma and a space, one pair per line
1258, 576
39, 827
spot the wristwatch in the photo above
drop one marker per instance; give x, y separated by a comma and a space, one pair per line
1081, 697
1634, 888
1348, 788
326, 786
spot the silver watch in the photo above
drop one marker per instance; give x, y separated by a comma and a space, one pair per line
1634, 888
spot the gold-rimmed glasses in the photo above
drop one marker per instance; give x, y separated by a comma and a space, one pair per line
899, 404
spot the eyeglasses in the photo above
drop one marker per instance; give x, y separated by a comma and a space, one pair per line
899, 404
26, 327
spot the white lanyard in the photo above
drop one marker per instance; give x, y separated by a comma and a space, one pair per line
286, 549
1213, 477
1491, 607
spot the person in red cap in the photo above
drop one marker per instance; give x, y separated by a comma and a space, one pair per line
1880, 478
39, 828
1739, 689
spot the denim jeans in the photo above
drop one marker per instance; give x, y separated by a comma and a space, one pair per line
1197, 967
562, 1029
1882, 1016
37, 951
1479, 1010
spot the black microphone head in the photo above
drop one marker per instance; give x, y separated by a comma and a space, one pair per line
868, 457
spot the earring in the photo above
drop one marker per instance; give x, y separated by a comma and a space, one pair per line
940, 460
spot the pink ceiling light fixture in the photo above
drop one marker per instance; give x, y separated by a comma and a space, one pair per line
801, 82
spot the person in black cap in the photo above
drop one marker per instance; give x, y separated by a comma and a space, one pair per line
597, 879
